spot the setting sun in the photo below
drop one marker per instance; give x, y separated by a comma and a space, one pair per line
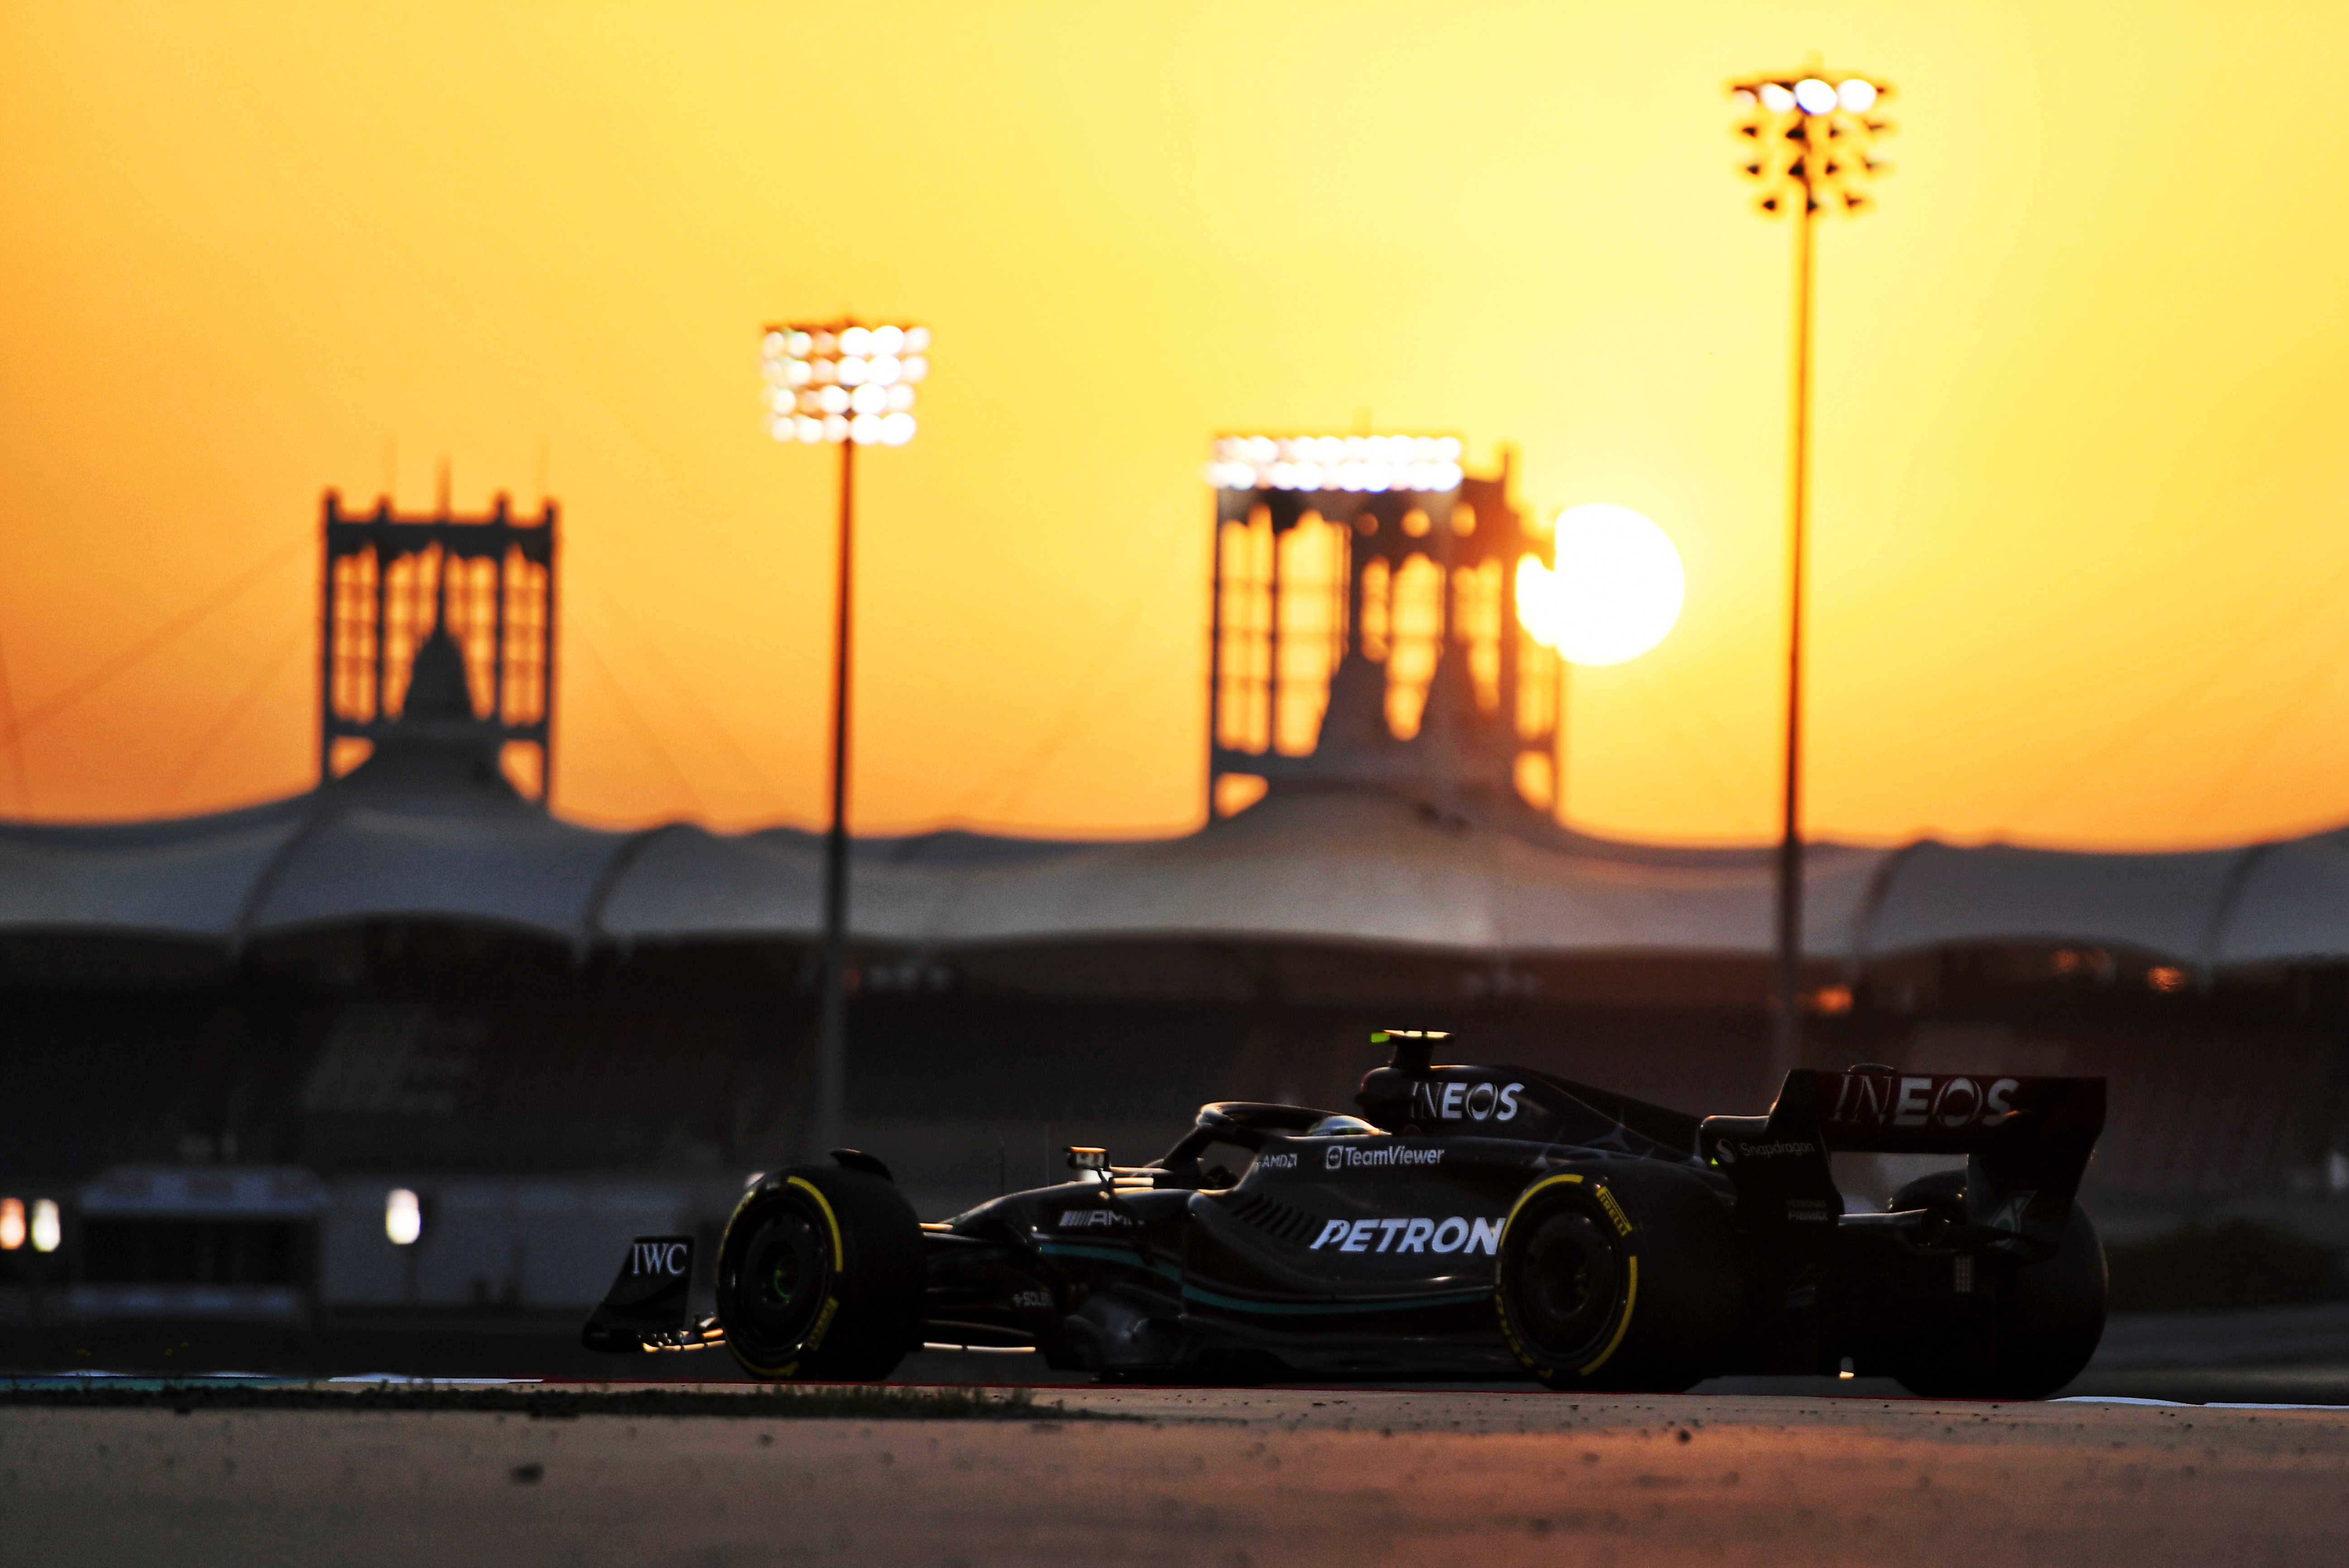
1615, 593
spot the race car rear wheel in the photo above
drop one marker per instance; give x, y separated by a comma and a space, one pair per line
1618, 1277
820, 1276
2048, 1318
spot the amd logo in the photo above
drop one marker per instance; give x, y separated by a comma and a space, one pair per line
1876, 1099
667, 1258
1278, 1161
1417, 1235
1458, 1100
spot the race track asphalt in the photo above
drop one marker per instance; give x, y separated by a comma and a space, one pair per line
1223, 1477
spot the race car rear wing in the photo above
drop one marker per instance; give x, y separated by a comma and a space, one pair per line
2025, 1140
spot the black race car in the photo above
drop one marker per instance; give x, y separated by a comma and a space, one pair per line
1471, 1222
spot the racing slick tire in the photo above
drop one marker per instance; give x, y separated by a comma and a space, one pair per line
820, 1276
1618, 1276
2048, 1319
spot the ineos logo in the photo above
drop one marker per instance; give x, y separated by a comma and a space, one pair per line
660, 1257
1874, 1099
1463, 1101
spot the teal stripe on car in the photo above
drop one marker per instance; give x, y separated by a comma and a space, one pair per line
1133, 1260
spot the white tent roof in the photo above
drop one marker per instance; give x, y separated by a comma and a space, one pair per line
1358, 867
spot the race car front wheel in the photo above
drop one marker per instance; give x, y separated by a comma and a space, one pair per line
1618, 1276
820, 1276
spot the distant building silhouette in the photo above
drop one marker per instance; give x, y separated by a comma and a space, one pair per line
1370, 637
438, 631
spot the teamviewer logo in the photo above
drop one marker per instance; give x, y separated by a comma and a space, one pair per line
1334, 1157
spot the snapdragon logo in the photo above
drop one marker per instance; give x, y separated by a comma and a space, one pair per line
1411, 1235
1354, 1157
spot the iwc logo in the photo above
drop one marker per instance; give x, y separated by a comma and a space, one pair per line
667, 1258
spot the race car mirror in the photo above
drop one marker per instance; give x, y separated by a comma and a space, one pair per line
1092, 1159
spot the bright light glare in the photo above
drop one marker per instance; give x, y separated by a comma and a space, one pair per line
1813, 95
1617, 590
868, 373
48, 1229
1776, 98
1417, 464
12, 1224
403, 1217
1858, 95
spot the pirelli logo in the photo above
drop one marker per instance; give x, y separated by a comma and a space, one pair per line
823, 1321
1614, 1211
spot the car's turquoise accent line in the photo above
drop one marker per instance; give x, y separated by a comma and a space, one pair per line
1287, 1309
1191, 1292
1131, 1258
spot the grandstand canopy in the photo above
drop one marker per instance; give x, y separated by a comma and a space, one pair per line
436, 834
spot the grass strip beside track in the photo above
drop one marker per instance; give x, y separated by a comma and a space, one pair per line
765, 1402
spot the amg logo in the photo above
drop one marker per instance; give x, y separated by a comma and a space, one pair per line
1092, 1219
1461, 1101
1346, 1157
1875, 1099
1417, 1235
659, 1258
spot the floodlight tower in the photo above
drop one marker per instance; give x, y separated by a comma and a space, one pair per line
851, 385
1814, 138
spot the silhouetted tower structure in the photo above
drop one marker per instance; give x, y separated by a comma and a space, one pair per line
440, 629
1365, 625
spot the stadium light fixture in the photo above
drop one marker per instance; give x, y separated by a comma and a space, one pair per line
48, 1231
850, 384
1814, 137
12, 1224
1423, 465
843, 383
403, 1217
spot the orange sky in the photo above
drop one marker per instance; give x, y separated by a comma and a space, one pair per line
2083, 492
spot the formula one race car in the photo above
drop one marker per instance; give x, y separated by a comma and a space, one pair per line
1471, 1222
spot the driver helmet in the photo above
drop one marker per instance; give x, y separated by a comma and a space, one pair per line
1340, 1127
